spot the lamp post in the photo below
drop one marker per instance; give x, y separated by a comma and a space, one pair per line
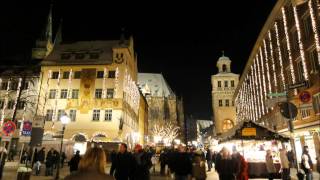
64, 121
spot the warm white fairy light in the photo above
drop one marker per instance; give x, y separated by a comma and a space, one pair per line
267, 68
116, 82
247, 99
280, 56
257, 84
287, 37
264, 95
16, 98
255, 94
314, 28
69, 95
253, 112
273, 64
302, 55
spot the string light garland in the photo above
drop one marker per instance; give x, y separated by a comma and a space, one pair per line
273, 64
267, 69
280, 56
264, 87
257, 83
314, 28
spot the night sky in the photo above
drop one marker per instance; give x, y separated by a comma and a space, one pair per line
182, 40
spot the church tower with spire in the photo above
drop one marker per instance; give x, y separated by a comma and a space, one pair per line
223, 87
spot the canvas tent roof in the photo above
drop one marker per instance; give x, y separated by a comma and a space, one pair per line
261, 133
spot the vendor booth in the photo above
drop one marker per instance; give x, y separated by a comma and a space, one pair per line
252, 141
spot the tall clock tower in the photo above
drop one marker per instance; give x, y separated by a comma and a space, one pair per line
223, 87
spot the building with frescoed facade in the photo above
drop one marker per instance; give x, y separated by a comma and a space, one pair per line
93, 83
223, 87
286, 53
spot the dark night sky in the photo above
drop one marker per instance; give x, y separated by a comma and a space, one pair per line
181, 41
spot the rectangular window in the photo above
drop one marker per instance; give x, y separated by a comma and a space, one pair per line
225, 83
219, 84
220, 103
300, 71
307, 27
110, 93
55, 75
4, 85
20, 105
73, 114
77, 74
64, 94
108, 115
98, 94
316, 103
313, 56
61, 112
75, 94
232, 103
25, 85
49, 115
227, 102
52, 93
294, 36
10, 104
232, 83
305, 113
1, 103
66, 75
100, 74
13, 86
112, 74
96, 115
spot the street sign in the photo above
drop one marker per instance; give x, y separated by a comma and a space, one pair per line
306, 106
26, 129
277, 94
288, 110
298, 85
305, 96
272, 102
6, 138
8, 128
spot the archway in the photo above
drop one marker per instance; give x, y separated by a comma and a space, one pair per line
80, 143
227, 124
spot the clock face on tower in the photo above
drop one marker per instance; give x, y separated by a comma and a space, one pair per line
119, 58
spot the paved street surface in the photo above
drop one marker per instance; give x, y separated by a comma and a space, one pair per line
10, 173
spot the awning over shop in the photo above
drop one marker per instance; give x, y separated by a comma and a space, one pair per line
249, 130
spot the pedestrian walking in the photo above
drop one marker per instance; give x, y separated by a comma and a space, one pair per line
37, 167
198, 168
306, 163
284, 164
271, 169
318, 164
241, 166
91, 166
226, 166
123, 165
163, 161
143, 163
41, 155
74, 162
181, 164
209, 159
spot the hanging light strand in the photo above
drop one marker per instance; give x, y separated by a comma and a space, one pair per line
302, 55
267, 70
264, 95
280, 56
260, 83
273, 64
314, 28
256, 84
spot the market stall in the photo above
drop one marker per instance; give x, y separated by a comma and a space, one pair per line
252, 141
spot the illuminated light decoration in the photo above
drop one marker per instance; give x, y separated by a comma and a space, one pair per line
69, 95
254, 94
56, 99
132, 96
288, 48
280, 56
305, 70
259, 83
5, 101
264, 95
256, 84
253, 116
16, 99
25, 106
2, 111
116, 82
104, 90
314, 28
267, 66
273, 64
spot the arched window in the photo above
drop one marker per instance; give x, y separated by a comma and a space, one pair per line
224, 68
227, 124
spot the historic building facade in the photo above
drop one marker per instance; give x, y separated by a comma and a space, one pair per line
223, 87
286, 55
93, 83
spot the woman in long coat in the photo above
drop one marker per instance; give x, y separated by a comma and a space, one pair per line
271, 169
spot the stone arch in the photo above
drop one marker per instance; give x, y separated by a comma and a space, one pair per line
227, 124
79, 137
99, 136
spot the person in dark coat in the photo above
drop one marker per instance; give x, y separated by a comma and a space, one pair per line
74, 162
63, 157
142, 162
306, 163
3, 156
182, 166
209, 159
163, 162
226, 166
122, 167
91, 166
41, 155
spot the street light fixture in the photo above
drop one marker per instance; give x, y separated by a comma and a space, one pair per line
64, 121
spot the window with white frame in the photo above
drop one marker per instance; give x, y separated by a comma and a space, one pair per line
55, 75
305, 113
313, 56
316, 103
108, 115
219, 84
4, 86
10, 104
98, 94
52, 93
64, 94
61, 112
75, 94
66, 75
73, 114
49, 114
1, 103
227, 102
220, 102
96, 115
110, 93
20, 105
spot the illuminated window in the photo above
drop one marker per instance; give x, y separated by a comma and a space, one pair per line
227, 124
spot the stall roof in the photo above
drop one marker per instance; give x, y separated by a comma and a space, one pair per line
249, 130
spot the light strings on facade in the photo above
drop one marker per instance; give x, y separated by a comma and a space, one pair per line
314, 28
267, 69
257, 84
273, 63
280, 56
262, 78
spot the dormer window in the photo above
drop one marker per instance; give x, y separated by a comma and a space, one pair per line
224, 68
65, 56
94, 55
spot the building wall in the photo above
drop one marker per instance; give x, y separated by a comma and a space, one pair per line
143, 120
286, 52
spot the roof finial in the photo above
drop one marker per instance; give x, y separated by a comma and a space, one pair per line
223, 53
